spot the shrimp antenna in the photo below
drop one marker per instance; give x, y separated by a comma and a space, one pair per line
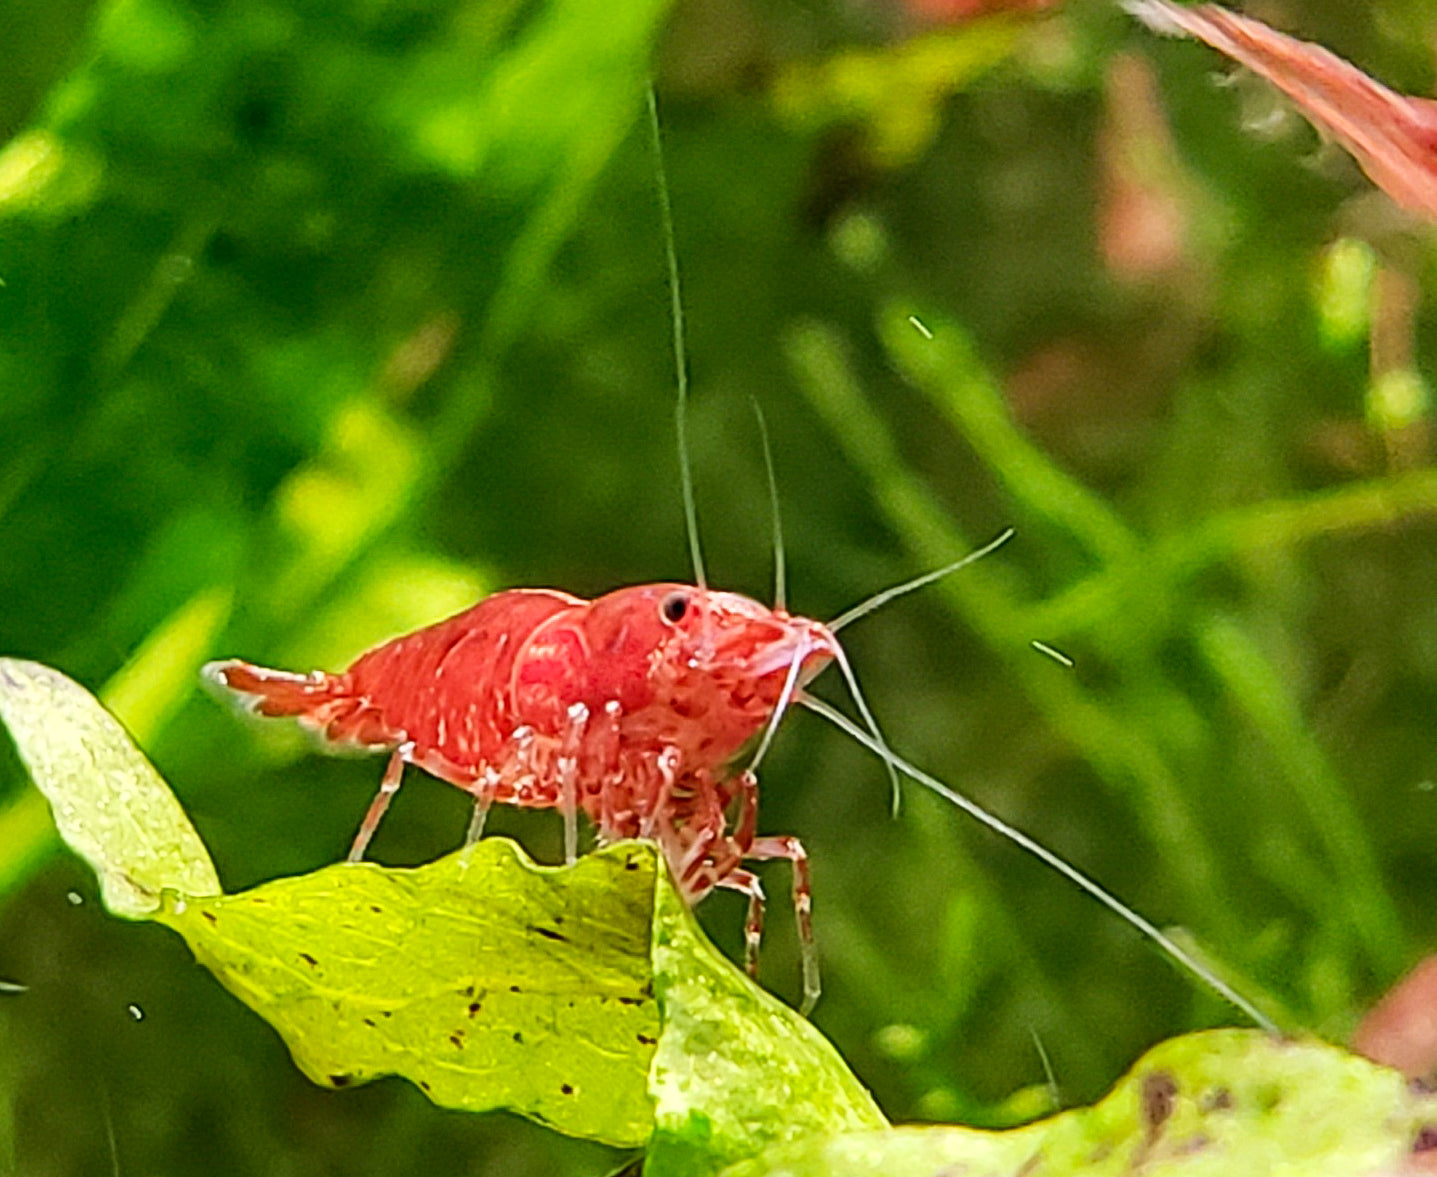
681, 361
785, 700
1180, 955
878, 600
845, 668
780, 580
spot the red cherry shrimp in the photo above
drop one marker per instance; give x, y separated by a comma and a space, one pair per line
631, 708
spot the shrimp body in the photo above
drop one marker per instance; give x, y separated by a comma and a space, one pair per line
631, 707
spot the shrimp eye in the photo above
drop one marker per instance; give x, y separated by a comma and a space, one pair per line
674, 606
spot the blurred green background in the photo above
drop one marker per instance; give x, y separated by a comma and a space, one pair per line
321, 318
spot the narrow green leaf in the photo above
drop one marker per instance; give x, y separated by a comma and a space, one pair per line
111, 806
487, 980
1215, 1103
161, 674
1359, 902
736, 1070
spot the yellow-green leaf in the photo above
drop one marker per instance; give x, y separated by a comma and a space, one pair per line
583, 997
487, 980
1220, 1103
111, 806
736, 1070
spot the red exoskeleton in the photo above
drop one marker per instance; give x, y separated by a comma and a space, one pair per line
631, 707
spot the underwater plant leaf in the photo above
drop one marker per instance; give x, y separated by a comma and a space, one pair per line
1211, 1103
736, 1071
487, 980
583, 997
111, 806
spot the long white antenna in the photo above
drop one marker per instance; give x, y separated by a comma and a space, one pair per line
878, 600
1174, 950
681, 363
845, 668
780, 578
785, 700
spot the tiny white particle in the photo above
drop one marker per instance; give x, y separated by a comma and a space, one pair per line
180, 906
136, 1012
1055, 655
919, 327
1426, 786
75, 898
9, 988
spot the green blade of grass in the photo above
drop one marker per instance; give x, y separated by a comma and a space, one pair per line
1360, 903
945, 366
1171, 562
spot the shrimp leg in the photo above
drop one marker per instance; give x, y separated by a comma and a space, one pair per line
747, 883
791, 849
569, 779
388, 786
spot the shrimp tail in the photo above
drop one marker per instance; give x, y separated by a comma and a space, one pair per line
275, 692
324, 703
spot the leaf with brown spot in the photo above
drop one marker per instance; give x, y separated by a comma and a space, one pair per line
436, 973
1217, 1102
312, 957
